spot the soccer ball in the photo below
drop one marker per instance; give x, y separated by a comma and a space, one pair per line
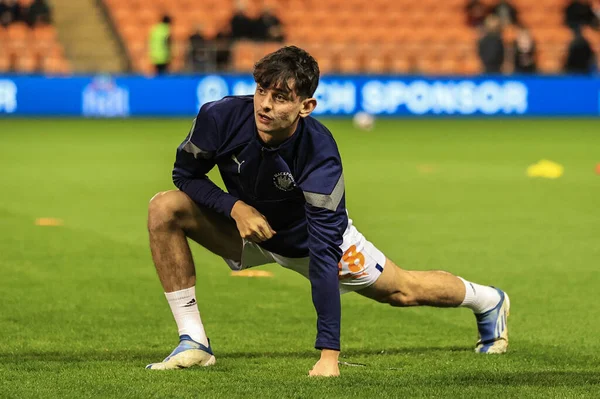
363, 121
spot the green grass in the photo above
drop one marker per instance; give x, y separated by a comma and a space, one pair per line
82, 311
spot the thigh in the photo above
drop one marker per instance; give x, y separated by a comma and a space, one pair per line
208, 228
386, 284
361, 264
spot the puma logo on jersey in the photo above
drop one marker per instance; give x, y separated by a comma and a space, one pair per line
239, 164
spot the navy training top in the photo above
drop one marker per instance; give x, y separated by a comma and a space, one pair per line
298, 186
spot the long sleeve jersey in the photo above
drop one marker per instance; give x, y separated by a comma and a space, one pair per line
298, 186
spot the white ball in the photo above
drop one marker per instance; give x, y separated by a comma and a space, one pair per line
363, 121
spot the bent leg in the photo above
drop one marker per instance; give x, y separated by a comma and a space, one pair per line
172, 217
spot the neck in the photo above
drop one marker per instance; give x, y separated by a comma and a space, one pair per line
273, 139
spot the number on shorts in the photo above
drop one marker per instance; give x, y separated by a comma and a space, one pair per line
355, 261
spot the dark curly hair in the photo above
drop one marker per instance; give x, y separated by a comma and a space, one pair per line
288, 64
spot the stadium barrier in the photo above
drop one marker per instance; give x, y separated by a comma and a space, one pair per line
171, 96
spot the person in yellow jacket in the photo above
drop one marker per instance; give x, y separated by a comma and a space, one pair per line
160, 45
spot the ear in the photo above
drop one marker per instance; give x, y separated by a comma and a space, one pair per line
308, 106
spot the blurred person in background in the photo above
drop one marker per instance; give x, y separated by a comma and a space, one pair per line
11, 12
160, 45
580, 56
476, 12
222, 46
39, 13
579, 13
200, 52
241, 25
596, 11
524, 52
507, 13
491, 46
268, 27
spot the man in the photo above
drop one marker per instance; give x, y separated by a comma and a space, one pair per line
491, 46
579, 13
11, 12
506, 12
200, 52
285, 204
268, 26
241, 25
580, 56
160, 45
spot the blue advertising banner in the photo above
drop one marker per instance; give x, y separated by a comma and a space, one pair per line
123, 96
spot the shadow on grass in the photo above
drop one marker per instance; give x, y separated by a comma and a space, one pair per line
153, 354
474, 378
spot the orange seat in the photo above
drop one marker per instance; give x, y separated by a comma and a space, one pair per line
431, 27
27, 62
5, 62
350, 63
401, 65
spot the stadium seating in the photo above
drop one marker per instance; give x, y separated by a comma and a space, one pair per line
378, 36
31, 50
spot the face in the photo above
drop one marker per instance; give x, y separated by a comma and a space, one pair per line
277, 110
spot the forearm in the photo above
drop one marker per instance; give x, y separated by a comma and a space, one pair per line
326, 299
206, 193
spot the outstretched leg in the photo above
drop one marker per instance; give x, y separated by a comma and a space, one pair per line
172, 218
400, 287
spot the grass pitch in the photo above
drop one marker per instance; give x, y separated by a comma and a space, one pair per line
82, 311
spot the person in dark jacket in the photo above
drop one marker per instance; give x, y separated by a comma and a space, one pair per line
10, 12
579, 13
580, 56
507, 13
242, 26
268, 26
491, 47
39, 13
524, 52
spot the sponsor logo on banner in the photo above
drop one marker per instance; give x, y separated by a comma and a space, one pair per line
336, 97
104, 98
211, 88
8, 96
214, 88
440, 97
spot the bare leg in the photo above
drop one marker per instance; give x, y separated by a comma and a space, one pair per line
491, 306
400, 287
173, 216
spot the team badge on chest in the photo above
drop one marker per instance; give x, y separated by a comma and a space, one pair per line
284, 181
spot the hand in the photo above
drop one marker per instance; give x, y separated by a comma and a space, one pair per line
251, 224
327, 366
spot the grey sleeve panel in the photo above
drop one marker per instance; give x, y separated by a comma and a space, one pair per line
330, 201
193, 149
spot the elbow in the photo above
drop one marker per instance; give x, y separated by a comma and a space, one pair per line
178, 180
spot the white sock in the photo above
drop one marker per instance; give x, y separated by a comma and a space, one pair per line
479, 298
187, 316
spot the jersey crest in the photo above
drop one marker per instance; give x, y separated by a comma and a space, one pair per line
284, 181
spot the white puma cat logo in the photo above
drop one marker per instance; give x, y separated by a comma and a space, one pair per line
239, 164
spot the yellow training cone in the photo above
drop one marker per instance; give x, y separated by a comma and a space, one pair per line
252, 273
546, 168
48, 222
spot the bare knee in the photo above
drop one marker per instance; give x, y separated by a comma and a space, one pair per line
396, 287
168, 210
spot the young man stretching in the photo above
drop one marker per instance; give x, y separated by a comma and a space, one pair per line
285, 204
